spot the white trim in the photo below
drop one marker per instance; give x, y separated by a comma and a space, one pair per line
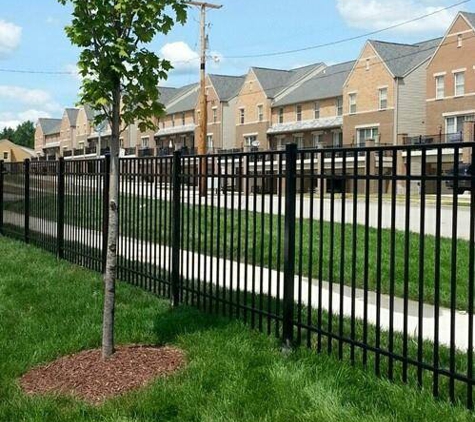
210, 134
368, 111
456, 34
464, 69
368, 126
383, 86
252, 123
439, 74
246, 135
450, 97
458, 113
351, 92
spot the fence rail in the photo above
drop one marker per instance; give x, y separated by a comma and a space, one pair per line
364, 253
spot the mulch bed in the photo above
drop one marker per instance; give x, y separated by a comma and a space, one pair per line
86, 376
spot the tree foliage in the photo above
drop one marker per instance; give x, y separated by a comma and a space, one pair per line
112, 35
23, 135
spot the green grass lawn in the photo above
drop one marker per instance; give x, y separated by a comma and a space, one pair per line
256, 237
51, 308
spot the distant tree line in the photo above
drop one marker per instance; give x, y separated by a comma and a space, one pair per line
23, 135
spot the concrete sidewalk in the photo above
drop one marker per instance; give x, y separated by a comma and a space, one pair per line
272, 282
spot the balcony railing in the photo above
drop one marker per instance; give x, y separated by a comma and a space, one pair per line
439, 138
130, 151
67, 153
90, 150
145, 152
78, 152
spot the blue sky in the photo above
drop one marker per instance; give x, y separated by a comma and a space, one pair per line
32, 38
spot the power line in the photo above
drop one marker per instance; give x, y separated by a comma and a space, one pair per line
344, 40
271, 54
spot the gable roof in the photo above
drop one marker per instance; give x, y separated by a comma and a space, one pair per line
470, 18
72, 114
166, 94
227, 87
90, 114
326, 84
50, 126
274, 80
401, 59
184, 100
26, 150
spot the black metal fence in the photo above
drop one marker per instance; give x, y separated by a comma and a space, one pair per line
364, 253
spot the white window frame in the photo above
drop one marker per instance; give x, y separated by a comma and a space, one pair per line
383, 98
209, 142
439, 87
317, 139
242, 115
459, 88
215, 115
260, 113
337, 139
280, 116
352, 103
145, 141
459, 40
298, 140
316, 110
298, 113
339, 106
374, 135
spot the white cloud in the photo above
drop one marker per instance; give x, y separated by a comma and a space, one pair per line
185, 60
30, 97
379, 14
10, 37
8, 119
181, 56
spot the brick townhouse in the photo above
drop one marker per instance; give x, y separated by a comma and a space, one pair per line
310, 114
450, 104
254, 102
47, 137
384, 94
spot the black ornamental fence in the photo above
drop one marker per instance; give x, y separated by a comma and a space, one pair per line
363, 253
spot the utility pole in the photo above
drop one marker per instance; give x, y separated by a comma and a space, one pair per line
203, 129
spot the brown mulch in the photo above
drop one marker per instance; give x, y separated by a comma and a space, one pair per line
87, 376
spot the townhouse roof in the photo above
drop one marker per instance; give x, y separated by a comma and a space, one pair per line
184, 100
227, 87
90, 114
26, 150
50, 126
326, 84
275, 80
176, 130
401, 59
72, 114
166, 94
470, 17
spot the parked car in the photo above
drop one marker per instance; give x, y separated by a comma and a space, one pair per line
465, 172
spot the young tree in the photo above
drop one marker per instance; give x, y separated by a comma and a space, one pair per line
120, 81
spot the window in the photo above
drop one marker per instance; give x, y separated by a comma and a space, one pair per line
439, 87
383, 98
183, 119
317, 140
337, 139
352, 98
173, 120
339, 106
145, 140
260, 113
215, 115
121, 143
199, 116
298, 113
5, 155
281, 115
298, 139
241, 116
250, 142
367, 134
459, 40
367, 64
454, 126
316, 109
459, 83
209, 143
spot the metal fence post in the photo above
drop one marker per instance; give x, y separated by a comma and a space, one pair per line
2, 170
289, 243
26, 165
105, 209
176, 229
60, 219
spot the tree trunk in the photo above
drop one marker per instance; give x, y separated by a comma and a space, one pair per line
110, 274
